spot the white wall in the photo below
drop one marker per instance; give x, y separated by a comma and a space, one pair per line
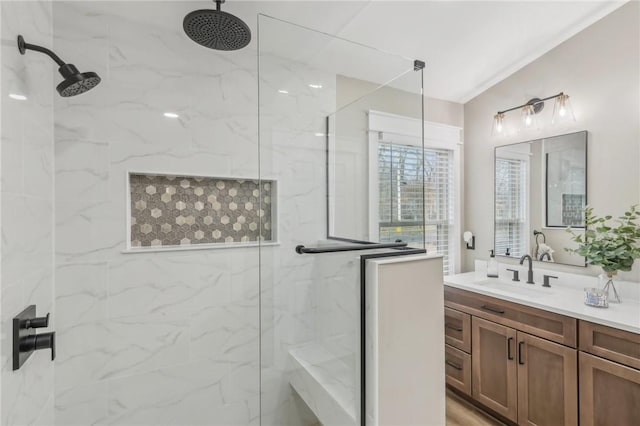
600, 69
27, 206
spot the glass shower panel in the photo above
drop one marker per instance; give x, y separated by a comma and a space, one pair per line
311, 339
375, 157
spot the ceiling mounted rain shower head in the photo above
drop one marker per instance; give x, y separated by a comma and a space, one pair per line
216, 29
74, 82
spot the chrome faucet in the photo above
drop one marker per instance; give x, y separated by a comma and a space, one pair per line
530, 272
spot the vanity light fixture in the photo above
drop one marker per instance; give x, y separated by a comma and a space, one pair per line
561, 112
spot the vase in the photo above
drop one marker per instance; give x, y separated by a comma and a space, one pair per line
609, 287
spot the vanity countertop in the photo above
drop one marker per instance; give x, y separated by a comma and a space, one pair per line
566, 300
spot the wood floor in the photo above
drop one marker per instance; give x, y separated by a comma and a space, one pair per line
461, 413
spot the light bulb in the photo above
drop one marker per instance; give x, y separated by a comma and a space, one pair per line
528, 115
498, 124
562, 112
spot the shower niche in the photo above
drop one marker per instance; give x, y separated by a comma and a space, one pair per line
168, 211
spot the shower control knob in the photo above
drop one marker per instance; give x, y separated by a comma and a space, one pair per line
36, 342
39, 322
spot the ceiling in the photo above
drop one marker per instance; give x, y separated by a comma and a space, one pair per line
468, 45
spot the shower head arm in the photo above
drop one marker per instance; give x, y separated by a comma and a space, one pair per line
24, 46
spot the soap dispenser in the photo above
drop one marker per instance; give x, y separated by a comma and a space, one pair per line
492, 265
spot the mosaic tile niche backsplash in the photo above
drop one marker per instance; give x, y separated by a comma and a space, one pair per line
185, 210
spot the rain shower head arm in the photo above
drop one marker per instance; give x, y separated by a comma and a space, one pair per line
24, 46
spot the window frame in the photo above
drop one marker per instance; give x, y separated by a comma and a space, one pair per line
514, 154
408, 131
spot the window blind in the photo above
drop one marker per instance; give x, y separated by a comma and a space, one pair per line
410, 206
510, 205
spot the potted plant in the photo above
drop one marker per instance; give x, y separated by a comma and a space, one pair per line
612, 244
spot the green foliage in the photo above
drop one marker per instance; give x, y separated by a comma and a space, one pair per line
612, 244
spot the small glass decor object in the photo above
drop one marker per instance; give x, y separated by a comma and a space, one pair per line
606, 283
596, 297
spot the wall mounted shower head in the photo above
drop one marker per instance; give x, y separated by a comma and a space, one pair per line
216, 29
74, 82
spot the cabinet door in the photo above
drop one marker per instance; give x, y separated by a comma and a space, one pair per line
547, 382
609, 393
494, 368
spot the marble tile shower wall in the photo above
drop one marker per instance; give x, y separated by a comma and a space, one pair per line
172, 338
150, 338
27, 206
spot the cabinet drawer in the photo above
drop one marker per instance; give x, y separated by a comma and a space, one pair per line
458, 369
548, 325
457, 329
610, 343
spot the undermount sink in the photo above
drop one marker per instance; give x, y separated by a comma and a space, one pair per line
515, 288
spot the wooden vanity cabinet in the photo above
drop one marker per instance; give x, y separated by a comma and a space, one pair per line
524, 378
516, 370
609, 376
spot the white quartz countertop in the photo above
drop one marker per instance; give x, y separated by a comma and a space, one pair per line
562, 299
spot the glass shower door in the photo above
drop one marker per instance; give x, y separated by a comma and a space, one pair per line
319, 150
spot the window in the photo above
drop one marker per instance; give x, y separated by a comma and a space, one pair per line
510, 207
402, 214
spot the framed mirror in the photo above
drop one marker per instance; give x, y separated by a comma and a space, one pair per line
540, 190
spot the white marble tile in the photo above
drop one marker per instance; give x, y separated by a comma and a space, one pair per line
82, 354
82, 170
225, 332
241, 383
166, 283
120, 347
179, 395
82, 405
47, 414
89, 230
26, 236
81, 294
27, 391
143, 343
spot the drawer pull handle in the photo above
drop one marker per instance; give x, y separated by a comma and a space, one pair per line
453, 327
453, 364
520, 353
509, 354
492, 309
